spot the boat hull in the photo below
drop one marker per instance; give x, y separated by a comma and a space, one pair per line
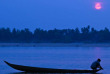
47, 70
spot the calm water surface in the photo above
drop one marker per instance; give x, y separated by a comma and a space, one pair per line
54, 57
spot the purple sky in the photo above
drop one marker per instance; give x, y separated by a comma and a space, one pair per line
50, 14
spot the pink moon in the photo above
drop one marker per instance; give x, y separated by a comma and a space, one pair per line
98, 6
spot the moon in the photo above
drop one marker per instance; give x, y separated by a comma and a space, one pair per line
98, 6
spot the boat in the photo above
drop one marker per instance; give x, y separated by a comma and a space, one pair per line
47, 70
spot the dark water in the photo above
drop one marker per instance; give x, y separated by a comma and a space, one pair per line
54, 57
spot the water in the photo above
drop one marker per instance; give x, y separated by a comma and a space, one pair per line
54, 57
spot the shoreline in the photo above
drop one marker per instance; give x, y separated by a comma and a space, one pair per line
54, 44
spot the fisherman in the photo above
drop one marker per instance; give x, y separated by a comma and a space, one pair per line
96, 65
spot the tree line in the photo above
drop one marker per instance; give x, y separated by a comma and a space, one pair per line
84, 35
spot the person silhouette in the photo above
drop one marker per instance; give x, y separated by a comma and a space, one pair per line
95, 65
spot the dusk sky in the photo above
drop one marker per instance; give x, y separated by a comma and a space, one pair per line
50, 14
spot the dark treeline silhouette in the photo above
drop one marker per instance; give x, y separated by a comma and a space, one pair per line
84, 35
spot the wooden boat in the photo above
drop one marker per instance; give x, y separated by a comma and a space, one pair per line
47, 70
